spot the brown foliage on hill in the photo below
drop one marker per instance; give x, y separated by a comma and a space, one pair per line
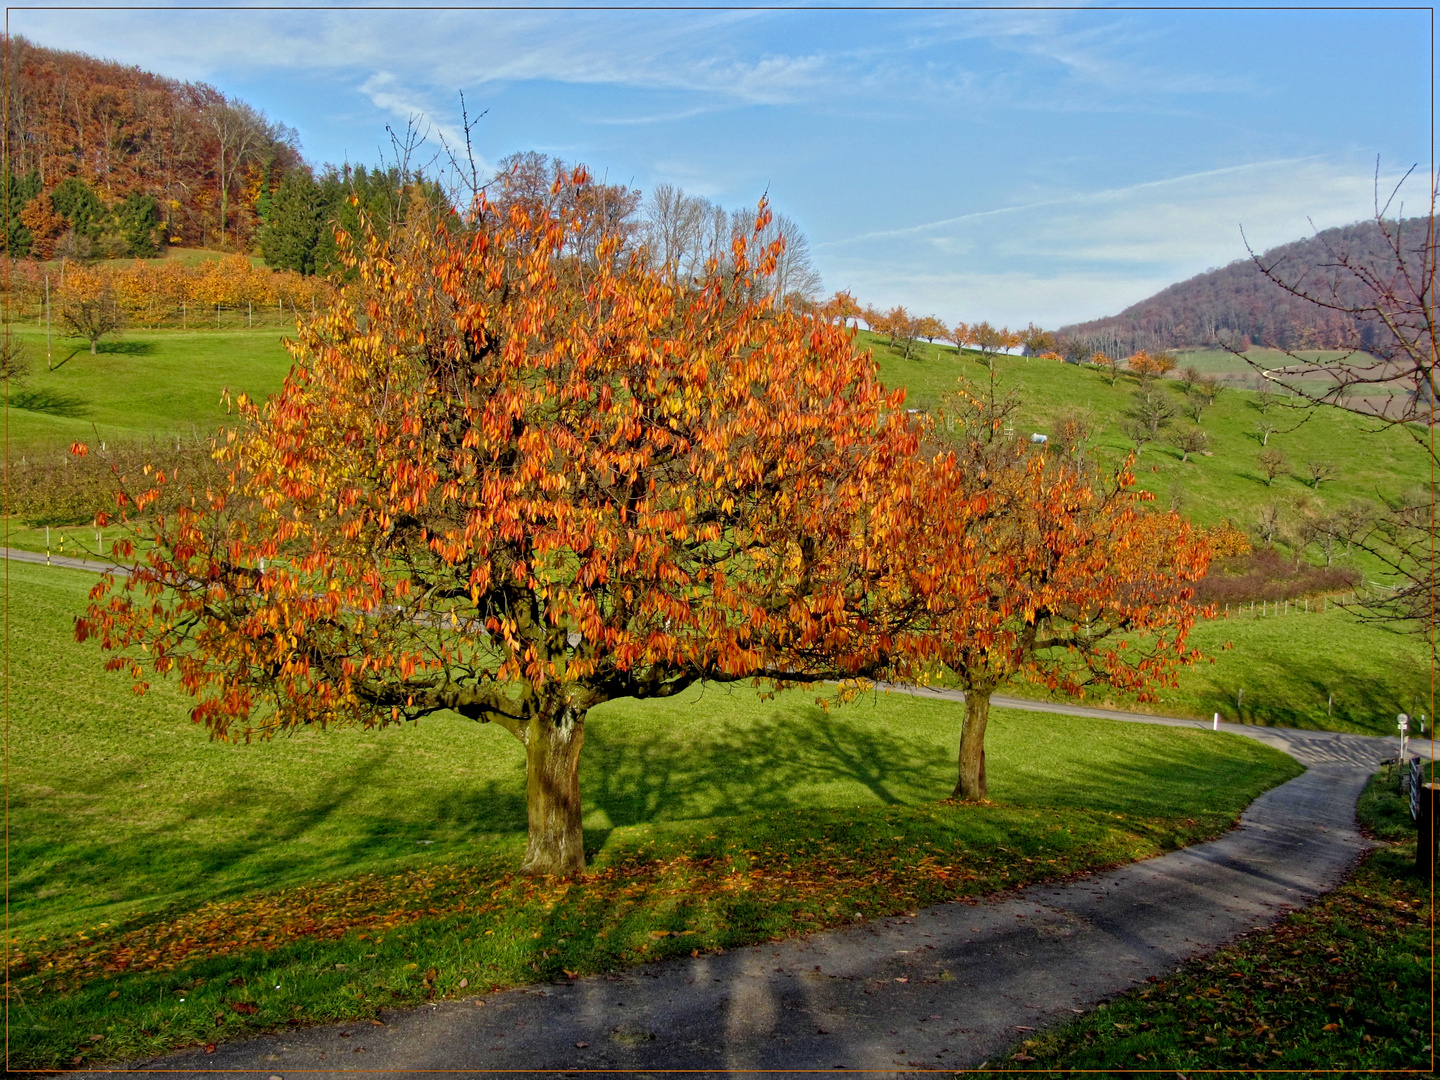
1265, 574
1241, 305
126, 131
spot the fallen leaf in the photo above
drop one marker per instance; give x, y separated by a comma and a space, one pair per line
1331, 1027
581, 1046
903, 978
209, 1048
245, 1008
464, 983
378, 1023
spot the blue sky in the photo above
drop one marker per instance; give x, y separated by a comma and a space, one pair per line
1005, 164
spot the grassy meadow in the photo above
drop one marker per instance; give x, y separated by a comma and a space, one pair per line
1209, 489
146, 384
331, 873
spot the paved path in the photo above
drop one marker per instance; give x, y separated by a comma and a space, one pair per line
66, 561
947, 988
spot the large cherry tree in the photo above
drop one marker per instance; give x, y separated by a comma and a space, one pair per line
516, 477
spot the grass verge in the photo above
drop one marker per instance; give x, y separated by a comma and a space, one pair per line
1343, 985
324, 876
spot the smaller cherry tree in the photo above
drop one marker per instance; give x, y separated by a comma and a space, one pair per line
1052, 576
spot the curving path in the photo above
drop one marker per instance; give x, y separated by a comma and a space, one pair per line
947, 988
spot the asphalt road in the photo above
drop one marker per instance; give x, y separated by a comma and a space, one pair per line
948, 988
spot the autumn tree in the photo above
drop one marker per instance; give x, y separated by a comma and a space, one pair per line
514, 482
929, 327
1072, 580
1107, 365
88, 307
992, 341
841, 308
1191, 439
1272, 463
1147, 366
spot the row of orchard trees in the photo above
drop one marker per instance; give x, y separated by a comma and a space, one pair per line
99, 298
518, 470
905, 329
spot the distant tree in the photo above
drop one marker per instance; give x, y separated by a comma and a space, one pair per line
76, 202
903, 328
1189, 376
1150, 413
1107, 365
89, 309
992, 341
1145, 366
1036, 341
15, 362
930, 328
1319, 472
1072, 431
18, 236
290, 232
1191, 439
840, 308
1264, 428
1267, 523
1272, 464
138, 221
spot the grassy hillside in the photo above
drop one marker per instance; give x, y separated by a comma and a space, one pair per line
1227, 483
146, 384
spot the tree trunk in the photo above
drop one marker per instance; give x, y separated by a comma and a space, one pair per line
971, 786
552, 792
93, 343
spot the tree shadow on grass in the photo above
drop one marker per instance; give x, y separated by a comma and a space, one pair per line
272, 843
50, 402
796, 758
1342, 697
126, 348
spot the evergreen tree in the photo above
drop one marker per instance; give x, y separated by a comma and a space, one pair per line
138, 217
77, 203
292, 221
21, 190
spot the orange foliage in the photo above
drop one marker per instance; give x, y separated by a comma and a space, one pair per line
1055, 577
516, 482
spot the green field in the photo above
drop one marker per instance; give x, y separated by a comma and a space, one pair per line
1323, 672
128, 826
1208, 489
146, 384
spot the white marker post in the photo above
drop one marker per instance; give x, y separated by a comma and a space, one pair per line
1403, 722
1217, 721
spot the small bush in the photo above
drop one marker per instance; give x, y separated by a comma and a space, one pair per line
1265, 574
62, 489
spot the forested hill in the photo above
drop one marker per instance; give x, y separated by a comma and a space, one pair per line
111, 160
1240, 303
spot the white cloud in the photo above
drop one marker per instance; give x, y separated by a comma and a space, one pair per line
1087, 254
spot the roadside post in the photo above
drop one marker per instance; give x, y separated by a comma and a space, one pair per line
1422, 806
1217, 722
1403, 722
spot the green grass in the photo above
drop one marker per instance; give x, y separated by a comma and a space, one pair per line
147, 384
1325, 671
712, 821
1227, 484
1342, 985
